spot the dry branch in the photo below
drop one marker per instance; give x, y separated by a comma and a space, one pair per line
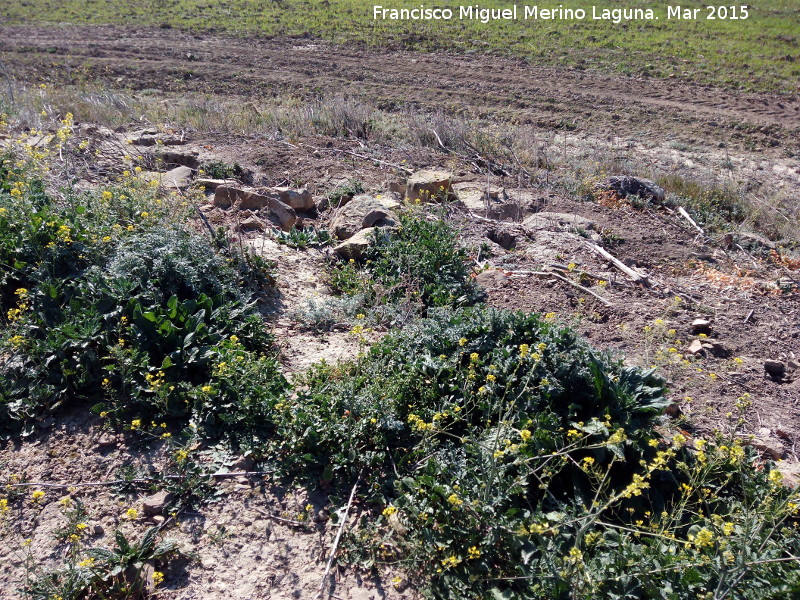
632, 273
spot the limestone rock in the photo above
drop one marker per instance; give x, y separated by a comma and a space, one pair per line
626, 185
554, 220
701, 326
355, 246
211, 184
252, 223
696, 348
179, 177
299, 199
227, 196
155, 504
361, 212
430, 186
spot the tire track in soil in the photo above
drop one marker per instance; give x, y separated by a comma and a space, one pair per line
154, 58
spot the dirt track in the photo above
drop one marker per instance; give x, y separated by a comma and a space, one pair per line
171, 60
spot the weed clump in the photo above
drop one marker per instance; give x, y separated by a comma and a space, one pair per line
418, 263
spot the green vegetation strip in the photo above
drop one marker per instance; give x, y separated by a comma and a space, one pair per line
757, 53
494, 454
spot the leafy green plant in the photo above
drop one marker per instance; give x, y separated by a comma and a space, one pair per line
304, 238
420, 263
217, 169
348, 190
118, 573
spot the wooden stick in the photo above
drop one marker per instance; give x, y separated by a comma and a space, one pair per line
280, 519
749, 316
565, 280
686, 216
633, 274
581, 288
335, 545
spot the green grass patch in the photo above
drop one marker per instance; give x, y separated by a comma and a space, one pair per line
759, 53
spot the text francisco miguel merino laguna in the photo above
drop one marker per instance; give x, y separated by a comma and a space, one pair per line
527, 12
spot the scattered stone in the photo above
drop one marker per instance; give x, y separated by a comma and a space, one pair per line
179, 177
491, 278
701, 326
769, 445
673, 411
502, 237
360, 212
559, 221
252, 223
626, 185
355, 246
211, 184
793, 364
696, 348
97, 529
106, 440
430, 186
150, 137
155, 504
227, 196
299, 199
402, 585
775, 368
791, 473
158, 519
243, 463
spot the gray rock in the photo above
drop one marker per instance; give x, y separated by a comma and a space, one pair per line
561, 221
299, 199
252, 223
775, 368
430, 186
355, 246
227, 196
627, 185
155, 504
701, 326
696, 348
491, 278
361, 212
179, 177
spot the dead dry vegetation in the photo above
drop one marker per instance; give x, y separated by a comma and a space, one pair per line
322, 348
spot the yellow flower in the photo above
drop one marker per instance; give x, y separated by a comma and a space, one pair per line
525, 435
136, 423
454, 500
206, 388
4, 508
451, 561
491, 378
524, 349
131, 514
36, 496
145, 214
81, 526
158, 576
86, 562
473, 552
462, 342
775, 477
389, 511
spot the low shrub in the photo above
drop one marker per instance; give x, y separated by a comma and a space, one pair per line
505, 458
420, 262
